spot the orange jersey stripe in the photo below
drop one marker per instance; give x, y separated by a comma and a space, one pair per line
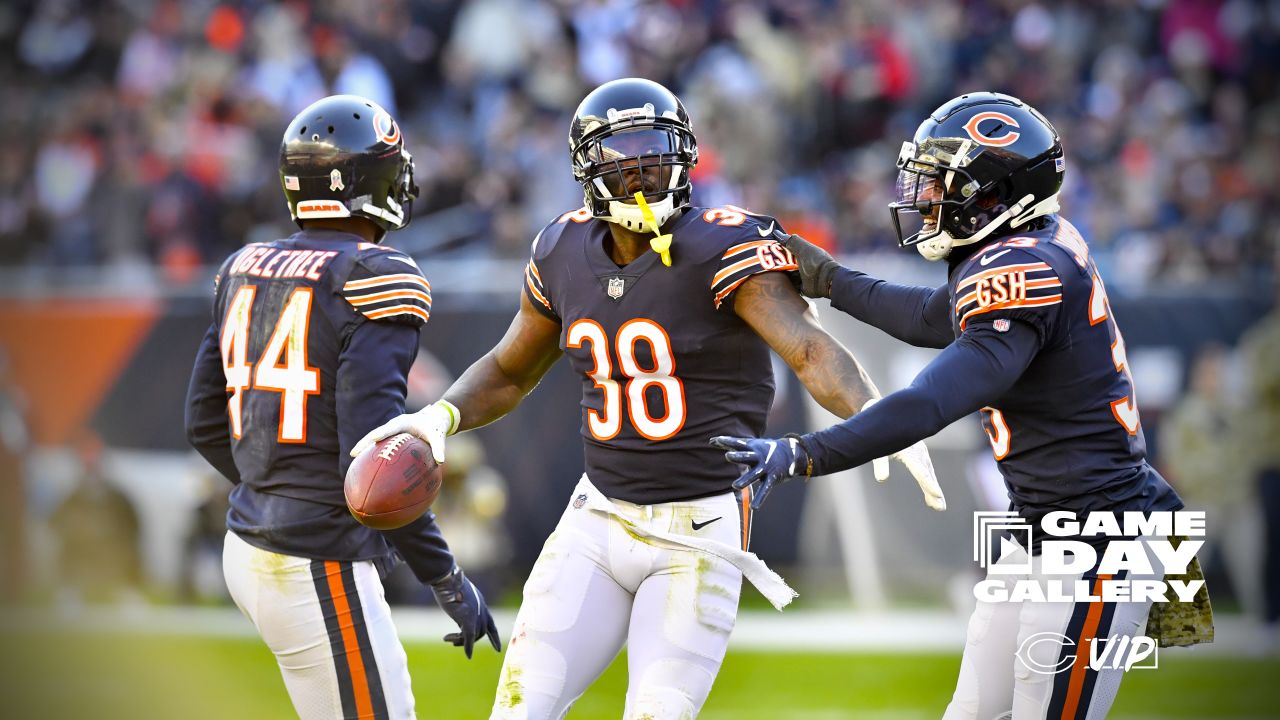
391, 295
1031, 302
740, 265
1075, 685
534, 289
720, 296
350, 645
387, 280
534, 269
743, 247
399, 310
1027, 267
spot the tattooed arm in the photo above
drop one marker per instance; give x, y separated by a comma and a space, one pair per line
769, 303
772, 307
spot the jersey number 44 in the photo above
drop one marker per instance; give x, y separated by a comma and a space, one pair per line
282, 368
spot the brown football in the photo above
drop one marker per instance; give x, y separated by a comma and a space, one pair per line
393, 484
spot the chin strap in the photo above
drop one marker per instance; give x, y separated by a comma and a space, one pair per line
939, 248
661, 244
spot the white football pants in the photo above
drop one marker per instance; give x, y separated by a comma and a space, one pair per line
330, 628
597, 585
996, 684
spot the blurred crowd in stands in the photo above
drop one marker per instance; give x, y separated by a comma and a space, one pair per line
144, 133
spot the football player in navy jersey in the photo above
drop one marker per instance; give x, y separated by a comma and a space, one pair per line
668, 312
310, 347
1029, 339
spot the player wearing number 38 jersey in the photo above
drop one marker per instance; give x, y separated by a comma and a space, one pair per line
664, 362
668, 312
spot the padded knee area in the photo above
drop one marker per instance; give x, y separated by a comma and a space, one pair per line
669, 690
532, 680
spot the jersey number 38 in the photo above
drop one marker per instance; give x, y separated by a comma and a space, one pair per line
606, 423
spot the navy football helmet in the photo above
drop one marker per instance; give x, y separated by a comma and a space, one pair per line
344, 156
980, 166
628, 135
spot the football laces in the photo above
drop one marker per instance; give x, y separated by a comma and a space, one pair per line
390, 450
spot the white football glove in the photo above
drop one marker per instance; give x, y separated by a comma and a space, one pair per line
432, 424
918, 463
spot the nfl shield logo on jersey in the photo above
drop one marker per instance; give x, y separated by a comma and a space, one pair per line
335, 180
616, 287
1001, 325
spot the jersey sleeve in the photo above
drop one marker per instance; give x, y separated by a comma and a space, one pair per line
913, 314
534, 285
754, 250
205, 416
372, 380
971, 372
387, 285
1014, 284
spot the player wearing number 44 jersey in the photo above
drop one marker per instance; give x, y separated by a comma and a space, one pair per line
310, 346
671, 335
1030, 340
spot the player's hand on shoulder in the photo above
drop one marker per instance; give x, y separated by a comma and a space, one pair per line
432, 424
767, 461
462, 601
817, 267
918, 462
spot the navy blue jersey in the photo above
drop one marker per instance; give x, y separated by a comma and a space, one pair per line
1067, 433
1033, 344
310, 346
666, 364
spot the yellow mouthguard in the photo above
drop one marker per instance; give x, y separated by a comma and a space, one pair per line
662, 243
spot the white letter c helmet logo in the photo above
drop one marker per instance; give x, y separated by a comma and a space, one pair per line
387, 129
971, 127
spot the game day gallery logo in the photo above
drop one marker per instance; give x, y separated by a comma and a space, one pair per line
1139, 561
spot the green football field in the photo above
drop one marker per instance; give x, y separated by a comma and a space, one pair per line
110, 676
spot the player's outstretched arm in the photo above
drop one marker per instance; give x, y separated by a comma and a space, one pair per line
835, 378
970, 373
915, 315
492, 387
496, 383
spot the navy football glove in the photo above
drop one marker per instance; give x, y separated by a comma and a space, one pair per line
769, 462
463, 602
817, 267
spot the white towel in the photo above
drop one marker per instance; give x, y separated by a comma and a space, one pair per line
769, 583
